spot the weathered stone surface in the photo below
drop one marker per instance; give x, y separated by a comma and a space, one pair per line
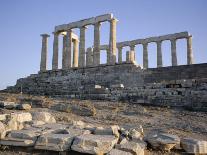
194, 146
2, 130
94, 144
24, 107
112, 130
162, 141
118, 152
43, 116
8, 105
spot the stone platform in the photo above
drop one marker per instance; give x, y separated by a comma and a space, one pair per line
184, 85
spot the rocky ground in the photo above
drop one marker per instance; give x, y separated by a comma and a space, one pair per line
180, 122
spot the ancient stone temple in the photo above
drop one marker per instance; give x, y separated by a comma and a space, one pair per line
82, 76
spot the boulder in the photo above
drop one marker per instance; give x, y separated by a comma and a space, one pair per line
112, 130
24, 107
131, 147
94, 144
194, 146
21, 117
43, 116
118, 152
3, 117
2, 130
8, 105
134, 134
162, 141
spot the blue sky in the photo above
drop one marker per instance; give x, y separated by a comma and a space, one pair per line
22, 22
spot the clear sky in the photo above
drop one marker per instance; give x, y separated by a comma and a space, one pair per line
22, 22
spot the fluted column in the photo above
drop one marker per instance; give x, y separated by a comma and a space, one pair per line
75, 53
132, 48
112, 41
43, 62
96, 50
64, 52
68, 49
145, 55
173, 52
120, 54
159, 54
55, 52
81, 62
189, 50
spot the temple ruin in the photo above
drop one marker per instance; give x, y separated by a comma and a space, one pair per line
82, 75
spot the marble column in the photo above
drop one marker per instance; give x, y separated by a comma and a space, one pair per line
44, 51
159, 54
75, 53
89, 57
132, 48
55, 52
173, 52
145, 55
81, 62
189, 50
119, 54
96, 50
112, 41
130, 57
64, 52
108, 56
68, 49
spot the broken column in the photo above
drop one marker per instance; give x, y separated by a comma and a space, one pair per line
189, 50
173, 52
75, 53
89, 57
43, 62
55, 51
112, 41
159, 54
119, 54
68, 49
81, 62
96, 50
145, 55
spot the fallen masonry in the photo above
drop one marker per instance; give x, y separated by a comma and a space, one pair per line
76, 136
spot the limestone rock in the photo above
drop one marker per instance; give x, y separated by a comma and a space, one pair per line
112, 130
194, 146
131, 147
43, 116
2, 130
94, 144
24, 107
3, 117
8, 105
118, 152
162, 141
134, 134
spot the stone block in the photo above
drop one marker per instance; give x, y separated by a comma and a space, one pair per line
43, 116
112, 130
118, 152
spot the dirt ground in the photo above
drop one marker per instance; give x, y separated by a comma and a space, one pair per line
181, 122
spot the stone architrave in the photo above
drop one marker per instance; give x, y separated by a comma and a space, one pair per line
173, 52
112, 41
44, 51
68, 49
189, 50
96, 50
55, 52
82, 62
75, 53
145, 55
159, 54
119, 54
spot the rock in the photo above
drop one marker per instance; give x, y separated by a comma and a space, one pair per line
79, 124
134, 134
8, 105
162, 141
3, 117
118, 152
24, 107
2, 130
94, 144
21, 117
131, 147
43, 116
194, 146
112, 130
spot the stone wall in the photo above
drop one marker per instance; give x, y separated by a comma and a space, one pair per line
167, 86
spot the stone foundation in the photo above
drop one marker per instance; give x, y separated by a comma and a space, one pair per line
167, 86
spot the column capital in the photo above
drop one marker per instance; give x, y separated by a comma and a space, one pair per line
45, 35
119, 47
113, 20
83, 27
132, 47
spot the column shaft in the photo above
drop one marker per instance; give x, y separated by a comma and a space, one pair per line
75, 53
132, 48
43, 62
81, 62
145, 55
189, 51
108, 56
64, 52
120, 54
68, 49
173, 52
55, 52
96, 52
89, 57
112, 41
159, 54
